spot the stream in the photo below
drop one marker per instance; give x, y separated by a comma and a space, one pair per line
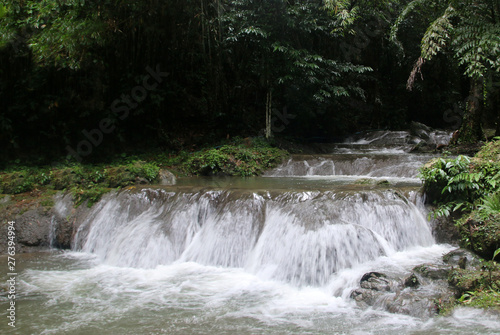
278, 254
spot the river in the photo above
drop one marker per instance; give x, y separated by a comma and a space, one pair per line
278, 254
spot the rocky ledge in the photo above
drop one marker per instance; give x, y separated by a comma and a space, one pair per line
421, 293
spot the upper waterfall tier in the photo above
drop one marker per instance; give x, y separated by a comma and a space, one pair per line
400, 165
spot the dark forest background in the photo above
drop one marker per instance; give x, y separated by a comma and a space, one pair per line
324, 69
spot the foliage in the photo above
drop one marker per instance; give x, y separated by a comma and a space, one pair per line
469, 187
480, 232
490, 205
80, 177
89, 195
477, 288
460, 183
66, 65
234, 160
469, 28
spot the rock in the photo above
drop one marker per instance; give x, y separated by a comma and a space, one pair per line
375, 281
141, 181
166, 177
415, 140
463, 259
32, 228
426, 139
412, 296
420, 130
445, 230
462, 262
366, 297
418, 303
412, 281
433, 271
39, 228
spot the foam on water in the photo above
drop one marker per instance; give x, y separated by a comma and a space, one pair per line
190, 298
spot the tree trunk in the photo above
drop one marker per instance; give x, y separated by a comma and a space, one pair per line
269, 98
470, 131
497, 107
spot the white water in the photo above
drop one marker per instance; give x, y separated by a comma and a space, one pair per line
369, 165
236, 261
300, 238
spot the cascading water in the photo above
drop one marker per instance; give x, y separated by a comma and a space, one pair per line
301, 238
273, 255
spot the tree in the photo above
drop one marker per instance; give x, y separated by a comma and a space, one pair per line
470, 30
281, 45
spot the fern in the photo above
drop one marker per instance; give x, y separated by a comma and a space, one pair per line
468, 28
491, 204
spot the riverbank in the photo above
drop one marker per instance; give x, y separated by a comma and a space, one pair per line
468, 190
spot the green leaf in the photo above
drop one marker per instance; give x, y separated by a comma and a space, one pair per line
495, 254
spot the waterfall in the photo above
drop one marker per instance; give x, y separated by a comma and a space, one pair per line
300, 237
279, 254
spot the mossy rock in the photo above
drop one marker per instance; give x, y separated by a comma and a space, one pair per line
120, 176
480, 234
64, 178
470, 280
490, 152
14, 183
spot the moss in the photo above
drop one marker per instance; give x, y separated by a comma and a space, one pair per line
234, 160
469, 190
63, 178
480, 233
364, 181
490, 152
91, 196
119, 177
482, 299
477, 288
241, 157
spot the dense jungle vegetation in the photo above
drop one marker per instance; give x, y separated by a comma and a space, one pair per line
87, 79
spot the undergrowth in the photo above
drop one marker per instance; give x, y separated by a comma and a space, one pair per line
238, 157
469, 188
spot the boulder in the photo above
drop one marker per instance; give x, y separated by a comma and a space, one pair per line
375, 281
166, 177
420, 130
463, 259
433, 271
412, 281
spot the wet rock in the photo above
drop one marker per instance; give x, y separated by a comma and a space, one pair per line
414, 140
39, 228
411, 295
420, 130
418, 303
463, 259
433, 271
141, 181
445, 230
166, 177
32, 228
366, 297
412, 281
375, 281
426, 139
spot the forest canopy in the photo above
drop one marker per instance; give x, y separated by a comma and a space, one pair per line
176, 74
